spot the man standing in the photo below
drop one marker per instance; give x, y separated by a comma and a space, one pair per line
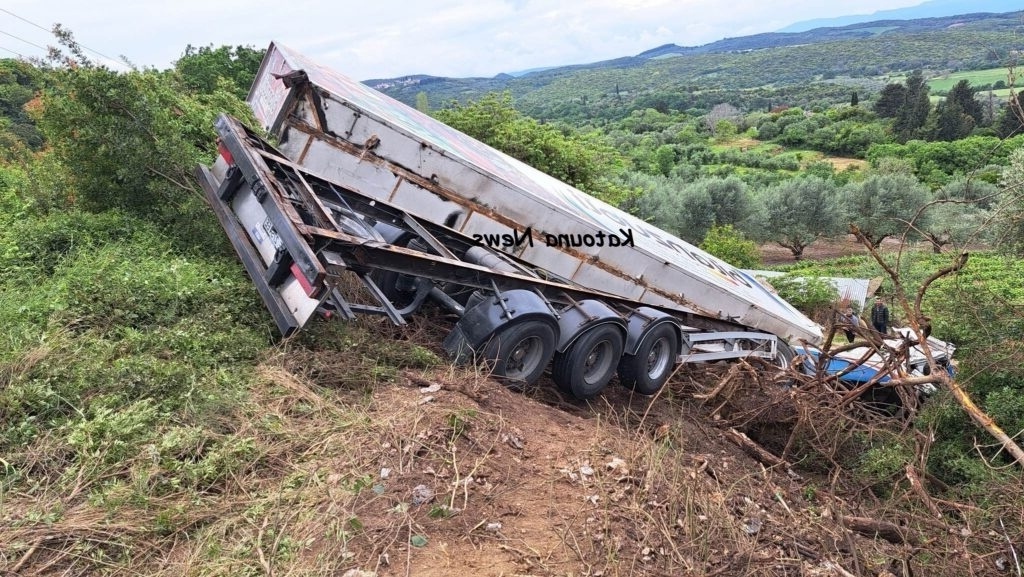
849, 322
880, 317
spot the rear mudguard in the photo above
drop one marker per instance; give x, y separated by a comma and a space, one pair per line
640, 324
486, 315
583, 316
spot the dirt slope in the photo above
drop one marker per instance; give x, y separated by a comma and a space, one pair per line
361, 470
463, 476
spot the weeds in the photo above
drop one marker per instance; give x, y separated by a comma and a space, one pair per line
151, 428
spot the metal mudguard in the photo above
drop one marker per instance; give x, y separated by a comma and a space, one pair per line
582, 316
640, 324
489, 314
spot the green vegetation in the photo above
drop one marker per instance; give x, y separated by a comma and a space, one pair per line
979, 310
582, 160
987, 79
730, 245
797, 212
143, 399
751, 73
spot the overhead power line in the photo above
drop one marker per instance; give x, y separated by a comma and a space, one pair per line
24, 20
43, 48
15, 52
43, 28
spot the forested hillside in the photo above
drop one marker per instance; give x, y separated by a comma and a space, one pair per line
152, 422
835, 61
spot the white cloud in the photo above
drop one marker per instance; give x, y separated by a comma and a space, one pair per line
388, 38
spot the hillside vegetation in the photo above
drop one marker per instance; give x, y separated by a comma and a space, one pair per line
752, 72
151, 422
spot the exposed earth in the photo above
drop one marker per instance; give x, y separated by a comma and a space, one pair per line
822, 249
366, 470
448, 472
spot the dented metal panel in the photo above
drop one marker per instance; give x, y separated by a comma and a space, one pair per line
346, 132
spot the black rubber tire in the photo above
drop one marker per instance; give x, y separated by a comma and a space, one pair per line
519, 353
784, 361
648, 370
785, 356
388, 282
585, 368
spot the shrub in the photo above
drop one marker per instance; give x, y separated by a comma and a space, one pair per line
730, 245
814, 297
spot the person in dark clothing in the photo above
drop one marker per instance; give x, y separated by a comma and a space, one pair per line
925, 322
880, 317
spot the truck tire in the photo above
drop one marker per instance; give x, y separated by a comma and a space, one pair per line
785, 355
647, 370
585, 368
519, 353
398, 288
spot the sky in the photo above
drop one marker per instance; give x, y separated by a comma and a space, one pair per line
368, 39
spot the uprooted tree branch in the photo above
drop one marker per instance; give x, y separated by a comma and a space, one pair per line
941, 378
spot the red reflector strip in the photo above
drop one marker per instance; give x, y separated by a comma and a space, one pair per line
225, 153
302, 279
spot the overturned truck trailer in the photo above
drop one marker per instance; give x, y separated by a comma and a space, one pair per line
537, 271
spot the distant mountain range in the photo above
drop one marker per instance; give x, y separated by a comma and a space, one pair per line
819, 34
857, 55
932, 9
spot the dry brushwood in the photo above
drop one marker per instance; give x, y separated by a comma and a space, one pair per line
937, 375
875, 528
754, 450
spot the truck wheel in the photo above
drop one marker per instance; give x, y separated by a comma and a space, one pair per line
586, 367
398, 288
647, 370
785, 355
519, 353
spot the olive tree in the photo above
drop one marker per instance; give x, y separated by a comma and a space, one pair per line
690, 209
796, 212
1008, 210
886, 205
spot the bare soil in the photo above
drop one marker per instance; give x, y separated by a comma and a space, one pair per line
773, 254
623, 485
444, 472
822, 249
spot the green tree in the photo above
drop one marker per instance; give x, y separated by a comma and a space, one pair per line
951, 122
885, 205
952, 222
1009, 208
962, 96
730, 200
203, 69
422, 102
732, 246
725, 131
669, 205
19, 84
973, 191
796, 212
913, 114
1011, 118
815, 297
130, 141
690, 210
891, 100
665, 157
958, 114
585, 161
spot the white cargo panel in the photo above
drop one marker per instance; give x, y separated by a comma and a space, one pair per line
350, 134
